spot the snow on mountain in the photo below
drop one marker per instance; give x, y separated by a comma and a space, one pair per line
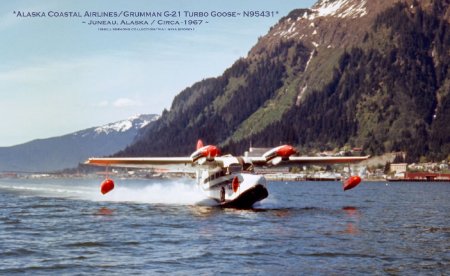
121, 126
326, 24
136, 122
340, 8
57, 153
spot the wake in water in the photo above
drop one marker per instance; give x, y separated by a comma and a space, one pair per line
157, 193
179, 192
151, 191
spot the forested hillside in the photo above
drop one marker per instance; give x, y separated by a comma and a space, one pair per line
214, 108
376, 78
390, 100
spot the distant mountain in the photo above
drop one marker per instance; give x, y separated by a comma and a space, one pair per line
67, 151
345, 73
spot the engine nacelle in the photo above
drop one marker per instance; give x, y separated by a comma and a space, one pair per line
279, 153
208, 152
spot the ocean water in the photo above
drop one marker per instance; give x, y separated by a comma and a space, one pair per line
66, 227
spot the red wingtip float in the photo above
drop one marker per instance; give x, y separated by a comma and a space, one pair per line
351, 182
106, 186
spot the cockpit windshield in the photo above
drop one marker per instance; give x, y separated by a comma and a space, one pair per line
235, 168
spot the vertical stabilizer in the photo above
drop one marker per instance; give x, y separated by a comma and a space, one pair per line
199, 144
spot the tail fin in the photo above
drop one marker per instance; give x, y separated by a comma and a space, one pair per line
199, 144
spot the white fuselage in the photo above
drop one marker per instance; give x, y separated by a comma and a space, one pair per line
218, 185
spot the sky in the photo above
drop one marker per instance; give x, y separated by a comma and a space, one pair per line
59, 74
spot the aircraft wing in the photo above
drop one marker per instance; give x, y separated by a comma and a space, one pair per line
171, 163
307, 160
186, 164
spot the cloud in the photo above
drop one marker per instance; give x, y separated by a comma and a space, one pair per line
119, 103
125, 102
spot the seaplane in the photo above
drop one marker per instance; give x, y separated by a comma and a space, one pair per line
229, 180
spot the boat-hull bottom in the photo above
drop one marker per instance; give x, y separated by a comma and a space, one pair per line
247, 198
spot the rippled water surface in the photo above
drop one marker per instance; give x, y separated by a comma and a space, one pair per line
166, 226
